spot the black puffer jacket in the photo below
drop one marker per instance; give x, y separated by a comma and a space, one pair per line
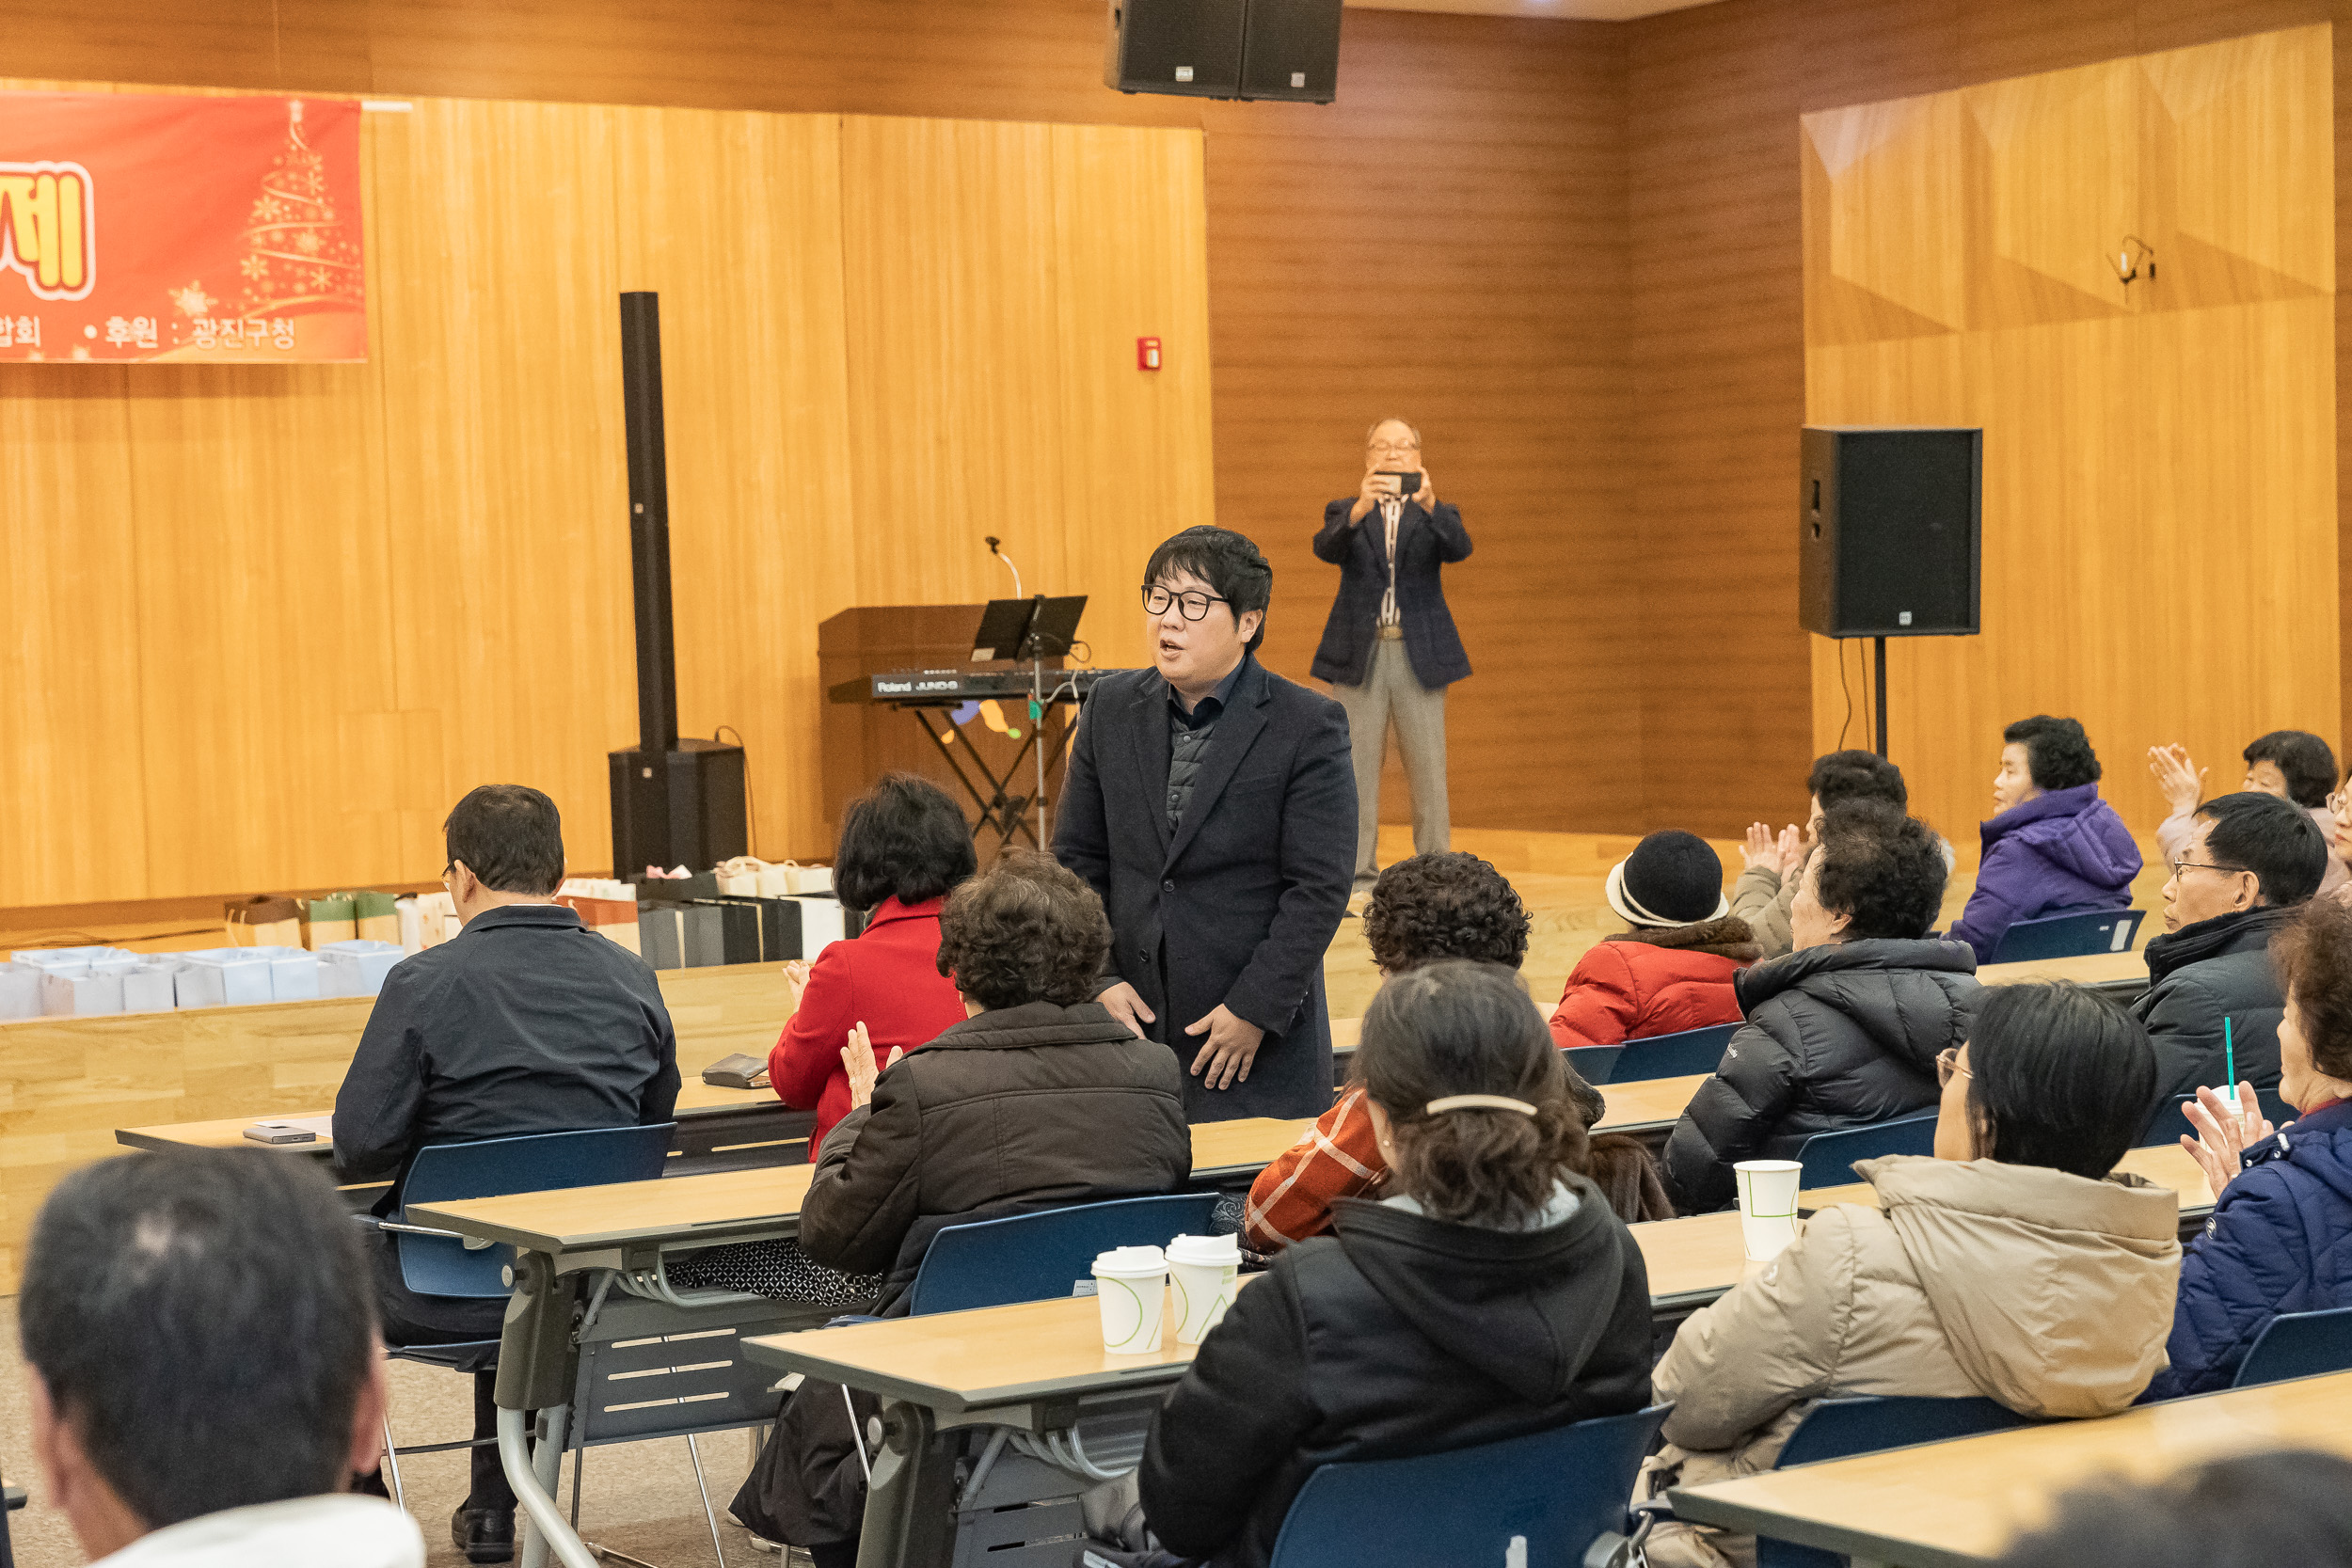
1839, 1036
1399, 1335
1016, 1109
2200, 974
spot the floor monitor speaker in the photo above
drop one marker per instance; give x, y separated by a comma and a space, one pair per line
1889, 539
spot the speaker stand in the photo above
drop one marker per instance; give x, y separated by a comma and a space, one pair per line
1878, 652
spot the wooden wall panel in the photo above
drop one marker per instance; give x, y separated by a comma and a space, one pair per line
2159, 503
71, 794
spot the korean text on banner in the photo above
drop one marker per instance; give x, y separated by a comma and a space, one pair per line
151, 225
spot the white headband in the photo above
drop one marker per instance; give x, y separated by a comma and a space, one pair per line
1478, 1102
1623, 901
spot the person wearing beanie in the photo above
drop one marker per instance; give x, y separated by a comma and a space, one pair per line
1671, 968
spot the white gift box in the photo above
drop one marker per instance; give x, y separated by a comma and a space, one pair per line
224, 977
150, 988
65, 994
823, 921
20, 991
356, 968
293, 974
77, 960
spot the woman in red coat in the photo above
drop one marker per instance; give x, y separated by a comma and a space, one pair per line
1673, 969
903, 844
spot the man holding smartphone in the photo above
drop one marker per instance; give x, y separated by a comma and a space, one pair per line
1390, 649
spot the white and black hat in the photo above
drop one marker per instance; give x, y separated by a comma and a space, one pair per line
1671, 879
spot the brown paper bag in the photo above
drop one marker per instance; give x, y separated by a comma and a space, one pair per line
264, 920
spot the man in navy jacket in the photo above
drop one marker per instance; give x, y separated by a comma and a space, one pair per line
1210, 804
1390, 649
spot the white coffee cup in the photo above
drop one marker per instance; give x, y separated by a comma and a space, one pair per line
1768, 1206
1201, 1270
1131, 1286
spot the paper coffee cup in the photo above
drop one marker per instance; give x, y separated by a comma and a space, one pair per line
1201, 1271
1768, 1206
1131, 1286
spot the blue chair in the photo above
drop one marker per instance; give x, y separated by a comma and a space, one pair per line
1839, 1429
1540, 1500
2170, 1122
2298, 1344
2068, 936
1828, 1157
1036, 1256
1594, 1063
438, 1263
1674, 1055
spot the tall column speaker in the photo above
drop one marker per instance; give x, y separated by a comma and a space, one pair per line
1889, 532
675, 802
1248, 49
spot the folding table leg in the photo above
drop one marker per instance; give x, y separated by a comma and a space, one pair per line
909, 1518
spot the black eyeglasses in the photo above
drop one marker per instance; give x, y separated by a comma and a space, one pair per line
2179, 866
1195, 604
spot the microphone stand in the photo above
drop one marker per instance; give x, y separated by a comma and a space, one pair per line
1036, 693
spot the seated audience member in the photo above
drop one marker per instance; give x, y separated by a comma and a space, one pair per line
1447, 905
525, 1022
1845, 1031
1671, 970
2280, 1237
1490, 1293
2007, 1266
1039, 1099
2250, 861
2294, 765
199, 1331
2052, 846
1767, 885
903, 844
2249, 1511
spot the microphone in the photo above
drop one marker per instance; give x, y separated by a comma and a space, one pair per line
990, 540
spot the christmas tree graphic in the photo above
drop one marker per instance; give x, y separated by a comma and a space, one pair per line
299, 255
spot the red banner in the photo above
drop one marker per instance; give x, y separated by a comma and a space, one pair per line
138, 225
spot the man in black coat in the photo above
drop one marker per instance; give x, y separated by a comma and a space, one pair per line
2252, 860
1211, 803
1390, 649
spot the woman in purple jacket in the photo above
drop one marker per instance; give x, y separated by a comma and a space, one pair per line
2052, 847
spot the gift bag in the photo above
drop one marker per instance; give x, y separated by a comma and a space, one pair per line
264, 920
741, 877
328, 919
376, 916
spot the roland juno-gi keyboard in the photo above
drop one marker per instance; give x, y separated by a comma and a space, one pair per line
930, 687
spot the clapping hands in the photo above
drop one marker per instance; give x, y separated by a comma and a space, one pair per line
858, 1057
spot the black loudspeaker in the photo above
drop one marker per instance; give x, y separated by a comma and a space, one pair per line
1272, 48
1889, 532
675, 802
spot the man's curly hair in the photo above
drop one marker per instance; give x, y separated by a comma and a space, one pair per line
1024, 930
1449, 906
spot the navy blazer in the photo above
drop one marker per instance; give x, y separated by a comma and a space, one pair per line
1424, 543
1238, 904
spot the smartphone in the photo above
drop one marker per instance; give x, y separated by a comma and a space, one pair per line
1406, 483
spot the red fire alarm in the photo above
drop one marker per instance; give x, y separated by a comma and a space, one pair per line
1147, 353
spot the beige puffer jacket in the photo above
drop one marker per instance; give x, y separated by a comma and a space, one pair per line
2052, 1293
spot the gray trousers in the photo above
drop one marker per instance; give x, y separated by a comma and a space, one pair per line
1391, 695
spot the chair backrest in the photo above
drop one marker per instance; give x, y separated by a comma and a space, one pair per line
2170, 1122
1674, 1055
1594, 1063
1839, 1429
2298, 1344
1531, 1502
1828, 1157
2068, 936
1036, 1257
538, 1163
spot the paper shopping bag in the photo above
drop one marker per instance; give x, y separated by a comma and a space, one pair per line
375, 917
264, 920
328, 919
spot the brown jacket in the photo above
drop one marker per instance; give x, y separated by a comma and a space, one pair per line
1016, 1109
1761, 897
2049, 1292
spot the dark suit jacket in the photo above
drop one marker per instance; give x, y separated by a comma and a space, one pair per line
1238, 904
1424, 543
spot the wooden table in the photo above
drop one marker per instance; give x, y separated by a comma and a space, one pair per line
2122, 975
1953, 1504
718, 1128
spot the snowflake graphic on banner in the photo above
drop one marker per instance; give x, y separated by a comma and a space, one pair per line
298, 255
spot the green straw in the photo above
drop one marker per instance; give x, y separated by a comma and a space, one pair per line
2229, 1059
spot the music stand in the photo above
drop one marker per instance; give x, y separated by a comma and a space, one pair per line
1036, 629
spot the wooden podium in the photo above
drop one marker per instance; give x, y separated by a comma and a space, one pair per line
862, 741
